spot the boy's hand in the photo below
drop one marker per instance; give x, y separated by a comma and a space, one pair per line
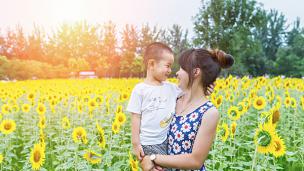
138, 151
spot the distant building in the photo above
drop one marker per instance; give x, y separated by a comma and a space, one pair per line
87, 74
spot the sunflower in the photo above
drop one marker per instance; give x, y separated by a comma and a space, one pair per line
101, 139
259, 103
80, 135
26, 108
98, 99
224, 132
31, 97
133, 163
92, 157
37, 157
270, 95
65, 123
233, 113
231, 97
275, 115
42, 122
79, 108
115, 127
264, 138
1, 158
100, 136
124, 96
6, 108
218, 101
242, 108
293, 102
41, 109
119, 109
120, 118
233, 128
92, 104
287, 101
280, 148
7, 126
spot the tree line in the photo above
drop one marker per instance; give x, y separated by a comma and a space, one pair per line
261, 41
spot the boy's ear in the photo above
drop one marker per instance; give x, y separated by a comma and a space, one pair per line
151, 62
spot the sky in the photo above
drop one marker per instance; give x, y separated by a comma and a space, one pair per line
164, 13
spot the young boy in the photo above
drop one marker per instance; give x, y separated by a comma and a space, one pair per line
152, 103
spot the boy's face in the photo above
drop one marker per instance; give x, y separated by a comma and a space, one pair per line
162, 68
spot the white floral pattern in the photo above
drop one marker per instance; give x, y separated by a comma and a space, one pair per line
186, 127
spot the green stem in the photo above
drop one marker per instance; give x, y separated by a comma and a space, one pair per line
254, 158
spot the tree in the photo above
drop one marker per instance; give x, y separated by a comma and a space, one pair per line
129, 49
290, 58
178, 41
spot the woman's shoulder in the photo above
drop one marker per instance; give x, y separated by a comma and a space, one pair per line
212, 113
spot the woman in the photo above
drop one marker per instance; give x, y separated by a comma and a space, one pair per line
193, 127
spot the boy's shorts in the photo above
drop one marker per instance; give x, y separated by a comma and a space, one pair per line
156, 149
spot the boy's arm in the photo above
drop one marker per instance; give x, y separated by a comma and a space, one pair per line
135, 128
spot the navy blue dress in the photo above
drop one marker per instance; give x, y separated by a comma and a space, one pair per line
183, 130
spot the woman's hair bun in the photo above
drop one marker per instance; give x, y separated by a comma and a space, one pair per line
225, 60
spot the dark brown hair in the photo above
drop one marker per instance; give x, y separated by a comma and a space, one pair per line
210, 63
154, 51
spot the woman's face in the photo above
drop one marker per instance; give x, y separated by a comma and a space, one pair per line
183, 78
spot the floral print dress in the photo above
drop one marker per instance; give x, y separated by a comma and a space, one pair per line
183, 130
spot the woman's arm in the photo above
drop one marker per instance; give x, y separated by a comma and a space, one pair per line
201, 147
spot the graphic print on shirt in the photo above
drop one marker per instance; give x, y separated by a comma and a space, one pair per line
156, 103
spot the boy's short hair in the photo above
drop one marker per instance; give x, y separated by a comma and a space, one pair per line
154, 51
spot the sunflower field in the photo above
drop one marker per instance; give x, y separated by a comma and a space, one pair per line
82, 124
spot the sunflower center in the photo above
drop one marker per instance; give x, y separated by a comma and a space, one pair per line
37, 156
7, 126
120, 118
275, 116
101, 139
219, 101
278, 146
240, 107
79, 135
264, 138
92, 104
233, 113
259, 102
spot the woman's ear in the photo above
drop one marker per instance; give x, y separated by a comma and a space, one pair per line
196, 72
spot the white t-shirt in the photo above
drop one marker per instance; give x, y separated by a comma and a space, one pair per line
155, 104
